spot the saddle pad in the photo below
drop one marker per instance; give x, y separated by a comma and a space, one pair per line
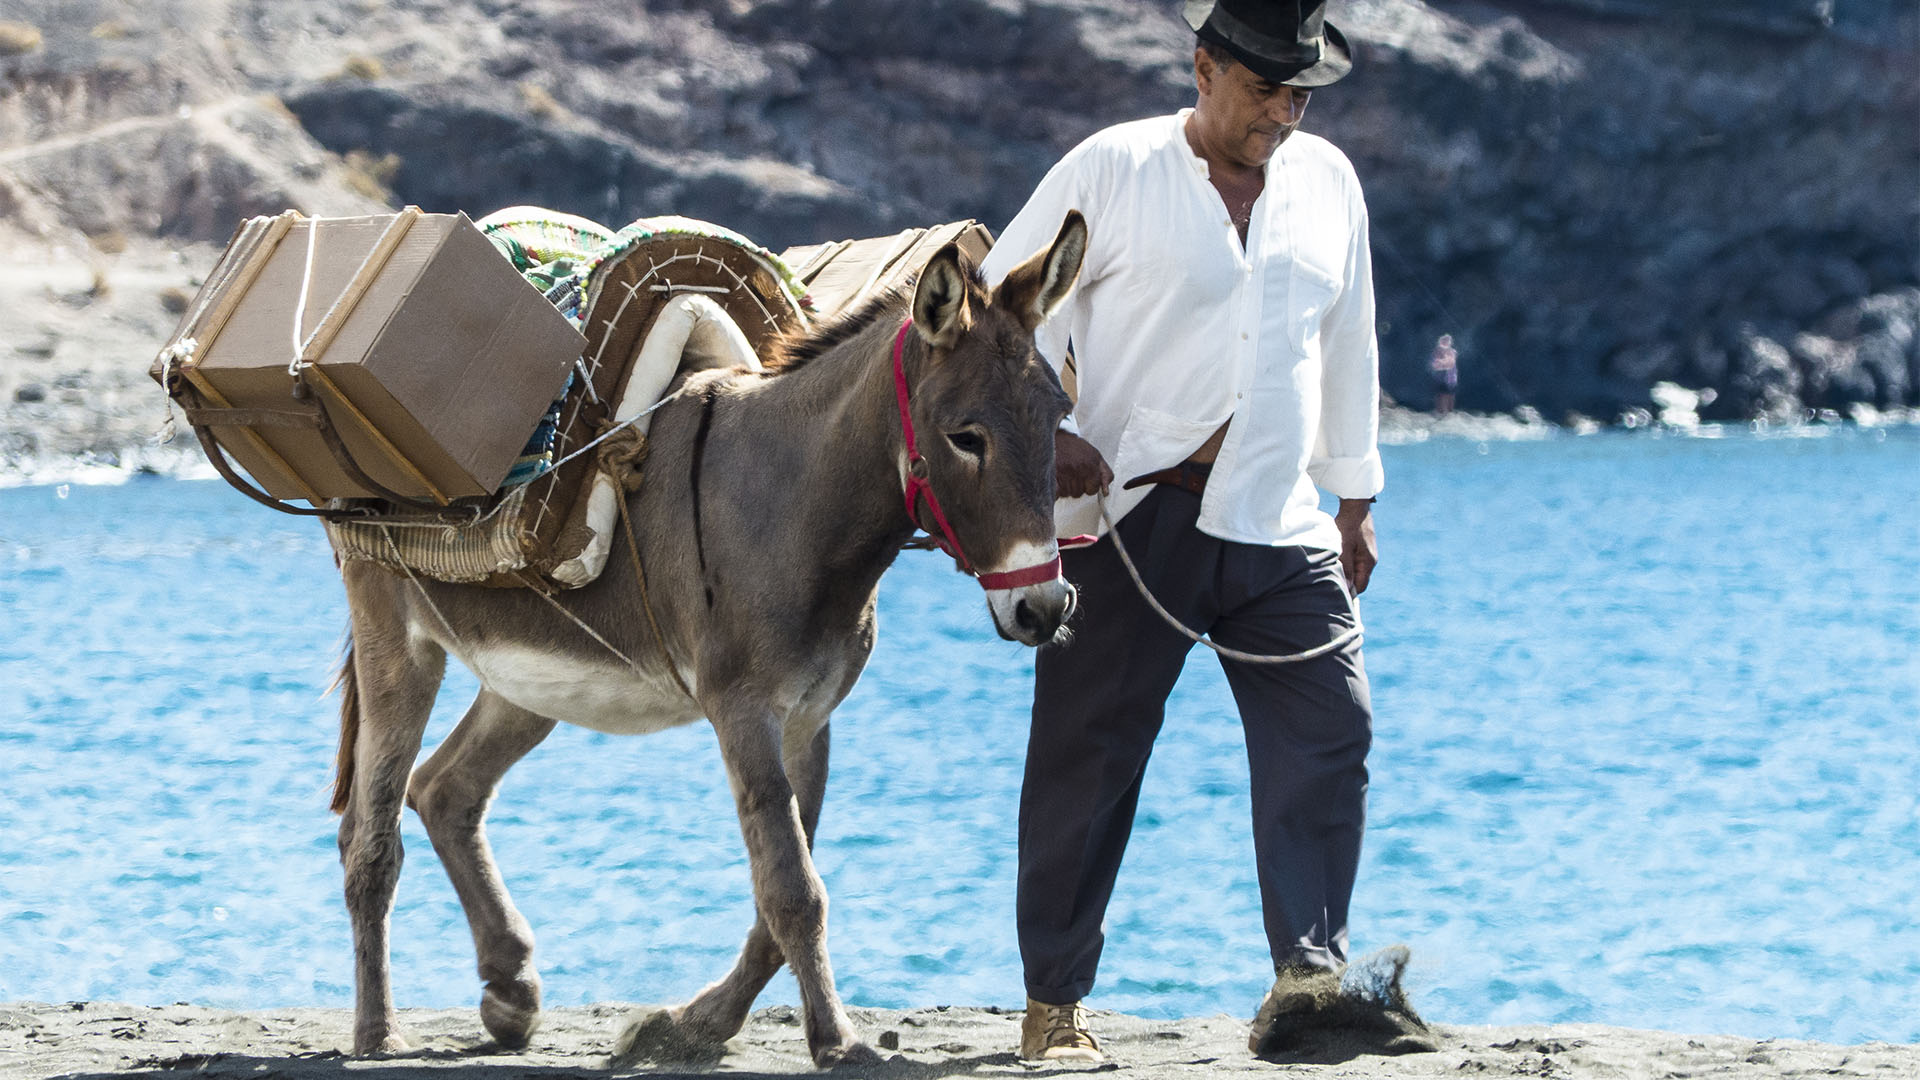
618, 287
554, 252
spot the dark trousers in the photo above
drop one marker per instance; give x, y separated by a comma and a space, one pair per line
1098, 702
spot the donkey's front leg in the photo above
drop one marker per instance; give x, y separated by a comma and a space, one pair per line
389, 696
719, 1012
787, 890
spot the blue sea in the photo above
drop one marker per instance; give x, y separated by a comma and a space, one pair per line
1647, 753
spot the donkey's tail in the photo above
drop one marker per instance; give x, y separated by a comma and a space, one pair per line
349, 730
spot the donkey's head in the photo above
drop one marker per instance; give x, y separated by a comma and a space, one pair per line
986, 406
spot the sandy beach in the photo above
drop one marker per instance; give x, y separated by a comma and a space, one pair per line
95, 1039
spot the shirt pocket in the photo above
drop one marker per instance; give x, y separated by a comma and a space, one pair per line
1313, 291
1154, 440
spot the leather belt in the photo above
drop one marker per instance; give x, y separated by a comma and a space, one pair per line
1188, 476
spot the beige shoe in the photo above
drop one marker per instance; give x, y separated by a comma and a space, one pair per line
1057, 1033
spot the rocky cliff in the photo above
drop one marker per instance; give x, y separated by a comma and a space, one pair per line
1592, 196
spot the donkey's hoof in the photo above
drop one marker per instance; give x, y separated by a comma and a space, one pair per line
656, 1035
854, 1054
510, 1011
385, 1041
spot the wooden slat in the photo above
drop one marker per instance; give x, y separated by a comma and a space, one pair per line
236, 289
884, 266
253, 437
349, 298
385, 444
812, 260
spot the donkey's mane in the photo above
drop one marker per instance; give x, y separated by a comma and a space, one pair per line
795, 348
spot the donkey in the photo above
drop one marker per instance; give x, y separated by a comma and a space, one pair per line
773, 503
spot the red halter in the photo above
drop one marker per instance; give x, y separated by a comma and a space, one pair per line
918, 485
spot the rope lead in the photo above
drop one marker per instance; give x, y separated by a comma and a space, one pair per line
1352, 634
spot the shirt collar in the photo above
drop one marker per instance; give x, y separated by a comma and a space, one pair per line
1199, 164
1193, 161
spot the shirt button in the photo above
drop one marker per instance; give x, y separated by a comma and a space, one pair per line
1243, 336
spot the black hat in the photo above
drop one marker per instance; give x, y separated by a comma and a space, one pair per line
1282, 41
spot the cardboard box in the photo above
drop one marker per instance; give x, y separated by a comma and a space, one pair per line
433, 358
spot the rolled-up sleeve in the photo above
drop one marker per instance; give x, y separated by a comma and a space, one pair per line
1345, 461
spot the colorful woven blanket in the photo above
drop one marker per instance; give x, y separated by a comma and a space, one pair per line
558, 254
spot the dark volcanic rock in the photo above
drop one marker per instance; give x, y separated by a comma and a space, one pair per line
1866, 352
1595, 196
1592, 196
442, 139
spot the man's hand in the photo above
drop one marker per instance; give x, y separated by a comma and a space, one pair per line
1078, 469
1358, 552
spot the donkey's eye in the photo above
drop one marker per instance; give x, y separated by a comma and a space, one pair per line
968, 442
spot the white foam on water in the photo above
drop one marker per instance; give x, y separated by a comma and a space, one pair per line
172, 462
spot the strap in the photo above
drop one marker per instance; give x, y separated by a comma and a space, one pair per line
1188, 476
227, 472
1029, 575
919, 485
343, 457
646, 605
917, 482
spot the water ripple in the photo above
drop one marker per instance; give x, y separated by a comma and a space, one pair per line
1644, 755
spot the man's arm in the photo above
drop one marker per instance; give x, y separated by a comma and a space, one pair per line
1346, 458
1358, 551
1078, 468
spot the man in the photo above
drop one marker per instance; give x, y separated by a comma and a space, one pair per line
1225, 365
1445, 369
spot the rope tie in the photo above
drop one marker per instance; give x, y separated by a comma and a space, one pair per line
460, 646
621, 456
613, 430
622, 452
646, 604
298, 359
176, 355
540, 590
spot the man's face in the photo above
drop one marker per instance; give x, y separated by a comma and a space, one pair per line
1246, 117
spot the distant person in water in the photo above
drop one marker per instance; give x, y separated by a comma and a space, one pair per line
1445, 369
1227, 369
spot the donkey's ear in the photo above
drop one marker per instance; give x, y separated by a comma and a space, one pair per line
1035, 289
940, 299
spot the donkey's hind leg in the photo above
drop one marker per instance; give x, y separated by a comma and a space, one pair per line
389, 689
720, 1011
451, 793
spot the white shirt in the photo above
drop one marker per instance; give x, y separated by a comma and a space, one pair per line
1176, 328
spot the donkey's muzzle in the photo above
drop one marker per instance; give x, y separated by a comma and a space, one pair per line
1039, 611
